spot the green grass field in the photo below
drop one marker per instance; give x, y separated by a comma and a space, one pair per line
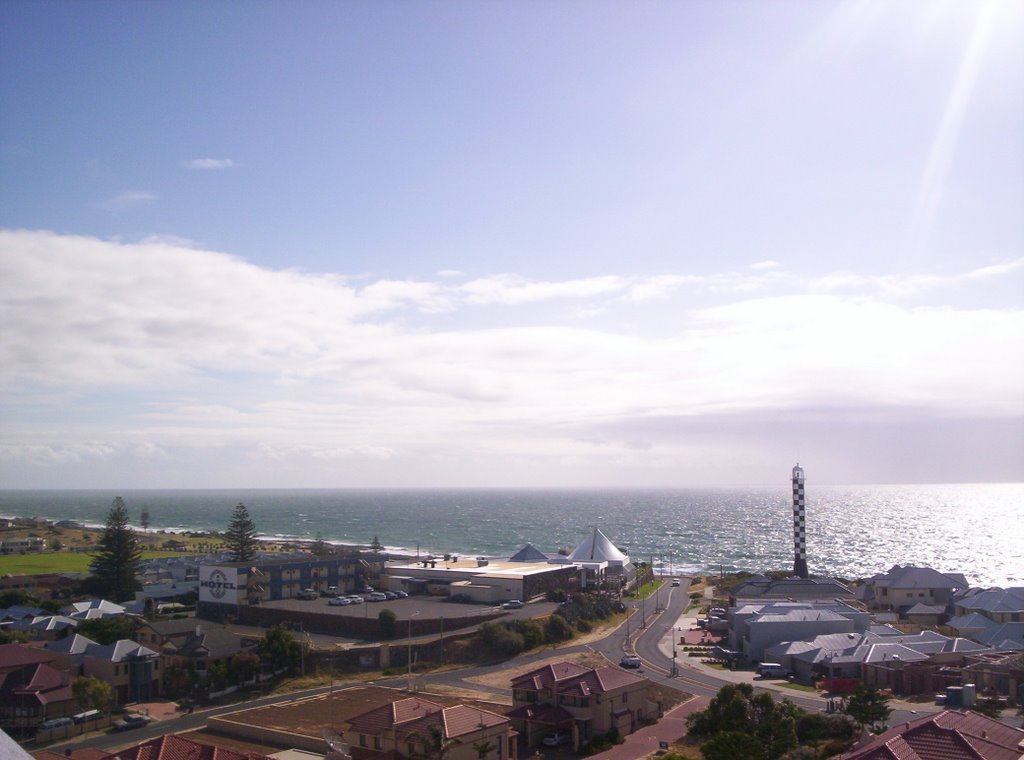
57, 562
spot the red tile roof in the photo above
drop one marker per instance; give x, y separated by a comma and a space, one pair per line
39, 680
15, 655
599, 681
948, 735
415, 716
172, 747
384, 717
543, 678
542, 713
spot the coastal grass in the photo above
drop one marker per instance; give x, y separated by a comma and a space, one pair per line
58, 562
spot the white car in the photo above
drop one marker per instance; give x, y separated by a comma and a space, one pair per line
630, 661
339, 601
512, 604
556, 739
376, 596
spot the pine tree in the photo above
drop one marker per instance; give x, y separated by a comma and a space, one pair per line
868, 707
116, 563
144, 518
241, 535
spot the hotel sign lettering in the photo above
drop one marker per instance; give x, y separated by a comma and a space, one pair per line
218, 584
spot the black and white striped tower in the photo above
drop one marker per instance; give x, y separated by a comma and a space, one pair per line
799, 524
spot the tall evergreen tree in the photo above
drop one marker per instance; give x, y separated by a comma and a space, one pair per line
241, 535
116, 562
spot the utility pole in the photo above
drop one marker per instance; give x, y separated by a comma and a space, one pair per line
409, 657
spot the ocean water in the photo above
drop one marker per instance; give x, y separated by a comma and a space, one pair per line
853, 531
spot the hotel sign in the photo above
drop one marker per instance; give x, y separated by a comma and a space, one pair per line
218, 584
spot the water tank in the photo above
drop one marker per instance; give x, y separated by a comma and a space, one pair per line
970, 695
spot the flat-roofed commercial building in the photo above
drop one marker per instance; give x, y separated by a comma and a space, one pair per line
479, 580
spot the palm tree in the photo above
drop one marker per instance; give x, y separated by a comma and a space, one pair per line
437, 746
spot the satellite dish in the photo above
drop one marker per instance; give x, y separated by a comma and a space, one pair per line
339, 749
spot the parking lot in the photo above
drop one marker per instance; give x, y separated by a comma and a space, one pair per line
427, 607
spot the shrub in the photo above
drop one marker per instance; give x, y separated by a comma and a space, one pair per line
583, 626
532, 633
557, 629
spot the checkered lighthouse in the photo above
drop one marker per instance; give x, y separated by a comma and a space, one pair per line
799, 524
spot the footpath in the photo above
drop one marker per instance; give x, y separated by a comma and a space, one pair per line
649, 739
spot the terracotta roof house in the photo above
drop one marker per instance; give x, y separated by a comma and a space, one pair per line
13, 656
174, 747
582, 702
411, 727
949, 735
902, 587
33, 693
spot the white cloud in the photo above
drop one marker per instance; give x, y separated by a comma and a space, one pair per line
763, 265
186, 349
208, 163
128, 200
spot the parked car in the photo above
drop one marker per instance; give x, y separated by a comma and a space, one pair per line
355, 599
390, 595
376, 596
630, 661
365, 590
132, 721
771, 670
556, 739
55, 723
307, 594
512, 604
329, 591
401, 594
339, 601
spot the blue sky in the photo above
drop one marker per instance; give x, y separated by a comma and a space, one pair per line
397, 244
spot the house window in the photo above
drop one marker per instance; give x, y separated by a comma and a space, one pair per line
376, 742
116, 671
410, 749
362, 740
625, 698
